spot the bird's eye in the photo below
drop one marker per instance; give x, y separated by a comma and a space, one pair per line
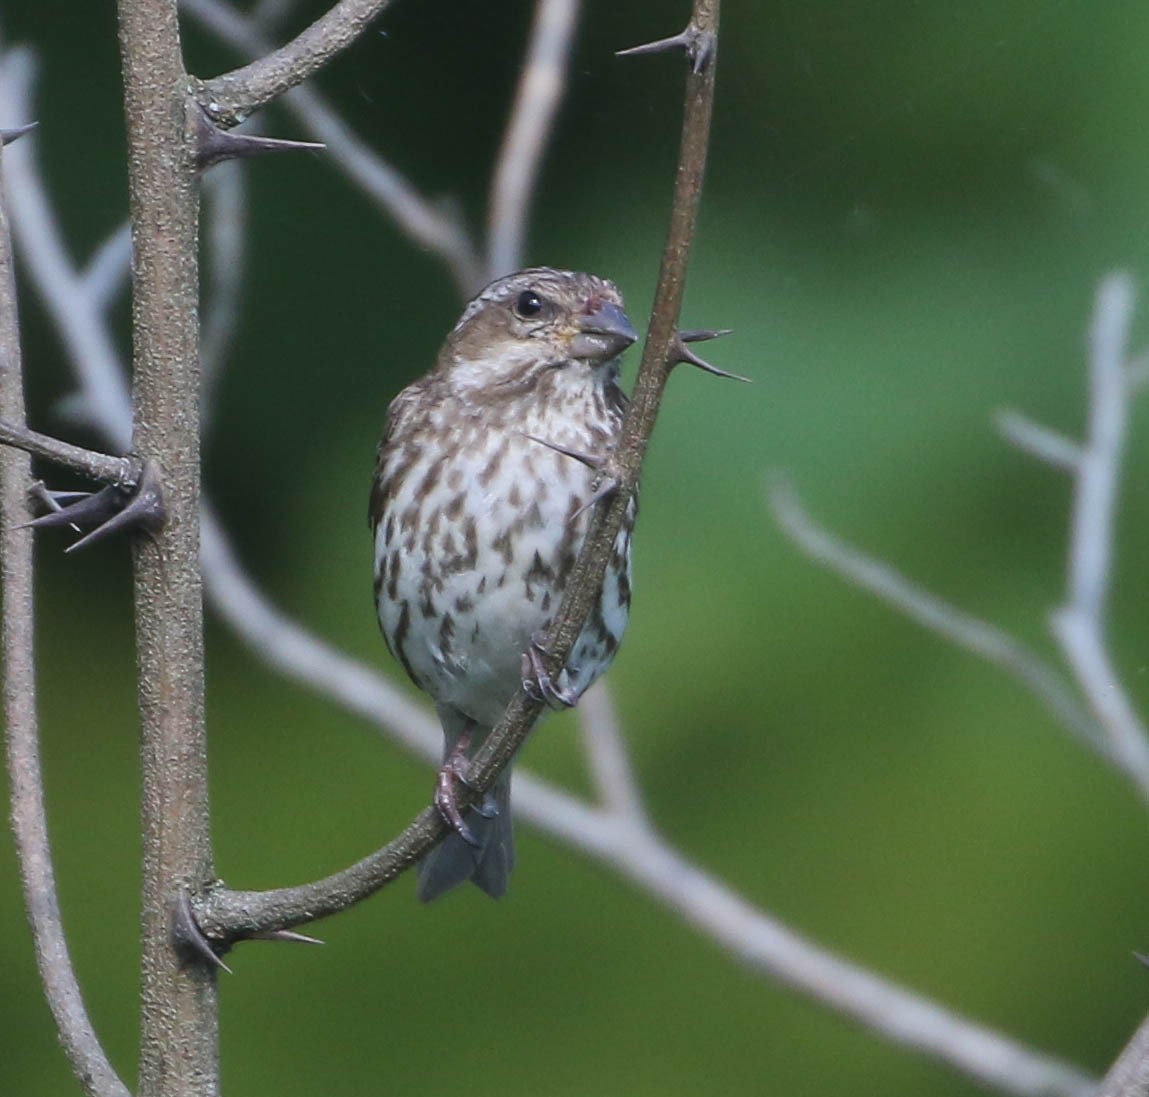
528, 304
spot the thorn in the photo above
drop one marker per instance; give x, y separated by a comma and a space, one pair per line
608, 487
188, 938
537, 680
214, 145
596, 464
286, 935
701, 335
8, 136
699, 47
80, 509
1142, 958
683, 353
113, 509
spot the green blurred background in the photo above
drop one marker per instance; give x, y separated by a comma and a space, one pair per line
909, 207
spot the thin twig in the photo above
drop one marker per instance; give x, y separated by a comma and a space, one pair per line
120, 471
1038, 441
1080, 624
608, 758
531, 124
987, 641
431, 226
29, 817
234, 96
1091, 541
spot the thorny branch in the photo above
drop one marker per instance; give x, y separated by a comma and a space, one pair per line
236, 95
223, 912
618, 833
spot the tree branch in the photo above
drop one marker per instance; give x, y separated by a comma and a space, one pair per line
28, 812
123, 472
234, 96
613, 834
179, 1039
1080, 624
531, 123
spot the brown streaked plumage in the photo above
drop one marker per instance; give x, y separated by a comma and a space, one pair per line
484, 483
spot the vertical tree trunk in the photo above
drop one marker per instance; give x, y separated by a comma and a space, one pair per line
179, 1027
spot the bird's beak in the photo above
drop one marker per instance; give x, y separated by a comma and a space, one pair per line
603, 334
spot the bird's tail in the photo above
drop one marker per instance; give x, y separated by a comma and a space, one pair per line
453, 861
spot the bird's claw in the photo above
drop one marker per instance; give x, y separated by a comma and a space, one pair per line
453, 774
537, 680
113, 509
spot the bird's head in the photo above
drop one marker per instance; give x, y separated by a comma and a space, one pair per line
534, 321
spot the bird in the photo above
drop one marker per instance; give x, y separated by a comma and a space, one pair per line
486, 478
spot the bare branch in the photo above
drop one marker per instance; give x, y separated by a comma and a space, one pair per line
120, 471
536, 103
1091, 544
430, 226
236, 95
1080, 624
1038, 441
608, 757
618, 837
28, 814
979, 637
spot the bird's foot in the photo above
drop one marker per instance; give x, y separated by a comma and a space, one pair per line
555, 691
113, 509
452, 776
